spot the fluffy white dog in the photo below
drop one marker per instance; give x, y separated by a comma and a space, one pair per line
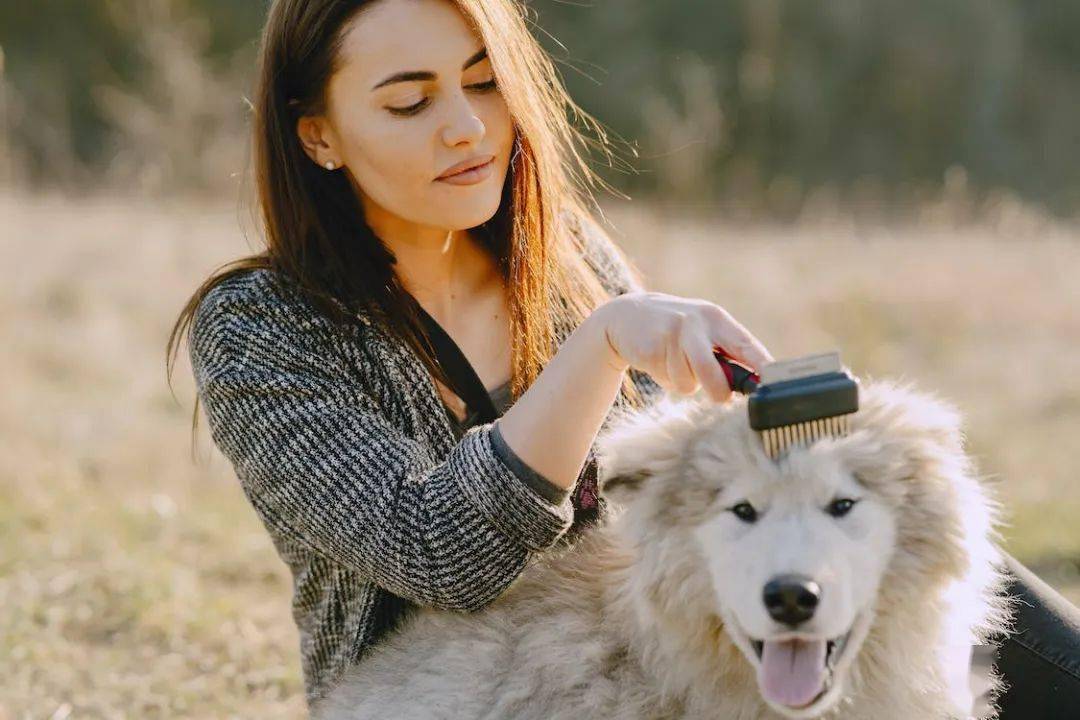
725, 585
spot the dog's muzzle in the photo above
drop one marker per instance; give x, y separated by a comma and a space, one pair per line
795, 671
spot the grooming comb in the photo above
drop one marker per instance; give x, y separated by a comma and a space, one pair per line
795, 402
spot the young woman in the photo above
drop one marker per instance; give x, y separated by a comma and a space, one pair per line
415, 156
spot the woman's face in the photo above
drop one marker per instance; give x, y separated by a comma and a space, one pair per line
395, 133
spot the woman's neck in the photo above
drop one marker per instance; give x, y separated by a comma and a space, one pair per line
440, 268
445, 276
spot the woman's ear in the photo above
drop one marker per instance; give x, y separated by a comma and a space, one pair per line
318, 140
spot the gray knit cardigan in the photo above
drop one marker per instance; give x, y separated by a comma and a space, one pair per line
342, 445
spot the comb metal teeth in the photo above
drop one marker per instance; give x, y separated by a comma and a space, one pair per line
779, 440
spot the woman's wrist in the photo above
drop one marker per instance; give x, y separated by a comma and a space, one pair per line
599, 321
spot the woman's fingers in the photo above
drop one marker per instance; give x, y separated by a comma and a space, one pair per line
674, 340
700, 355
680, 373
737, 341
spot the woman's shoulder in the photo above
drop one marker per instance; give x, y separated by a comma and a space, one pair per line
236, 302
267, 296
258, 314
252, 288
236, 290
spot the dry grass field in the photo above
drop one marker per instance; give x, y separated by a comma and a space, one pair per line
135, 580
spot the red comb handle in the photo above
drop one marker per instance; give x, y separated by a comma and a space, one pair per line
740, 378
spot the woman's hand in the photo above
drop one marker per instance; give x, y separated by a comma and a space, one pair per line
672, 339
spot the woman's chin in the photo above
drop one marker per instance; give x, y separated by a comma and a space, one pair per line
468, 216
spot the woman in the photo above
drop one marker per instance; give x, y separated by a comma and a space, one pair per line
319, 384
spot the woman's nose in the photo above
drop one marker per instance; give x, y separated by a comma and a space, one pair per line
464, 123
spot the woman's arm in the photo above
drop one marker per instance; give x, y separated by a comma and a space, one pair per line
555, 421
579, 384
324, 467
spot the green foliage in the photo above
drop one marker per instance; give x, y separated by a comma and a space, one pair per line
755, 101
831, 93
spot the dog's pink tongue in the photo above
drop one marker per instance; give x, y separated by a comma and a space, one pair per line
792, 671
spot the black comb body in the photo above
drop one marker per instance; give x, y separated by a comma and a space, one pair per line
795, 402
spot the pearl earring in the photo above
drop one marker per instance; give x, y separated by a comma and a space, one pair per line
329, 164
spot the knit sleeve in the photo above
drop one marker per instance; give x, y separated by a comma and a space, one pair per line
325, 467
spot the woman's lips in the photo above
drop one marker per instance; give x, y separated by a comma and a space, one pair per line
470, 176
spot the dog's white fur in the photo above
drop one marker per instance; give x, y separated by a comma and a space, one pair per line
648, 615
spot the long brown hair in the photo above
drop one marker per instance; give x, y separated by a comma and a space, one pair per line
314, 231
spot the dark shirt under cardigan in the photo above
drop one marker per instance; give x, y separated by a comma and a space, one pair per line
500, 398
373, 495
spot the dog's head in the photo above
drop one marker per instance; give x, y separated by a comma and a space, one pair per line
805, 555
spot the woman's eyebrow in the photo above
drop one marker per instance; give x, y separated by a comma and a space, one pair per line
427, 74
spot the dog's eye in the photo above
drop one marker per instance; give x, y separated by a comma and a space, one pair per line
840, 507
744, 511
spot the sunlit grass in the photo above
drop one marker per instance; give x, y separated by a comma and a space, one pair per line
137, 582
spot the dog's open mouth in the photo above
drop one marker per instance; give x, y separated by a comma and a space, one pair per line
797, 672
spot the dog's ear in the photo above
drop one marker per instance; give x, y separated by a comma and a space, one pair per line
908, 446
639, 445
904, 433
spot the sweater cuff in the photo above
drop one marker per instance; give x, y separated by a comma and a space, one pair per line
549, 490
507, 500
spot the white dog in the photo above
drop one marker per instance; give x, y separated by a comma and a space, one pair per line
725, 585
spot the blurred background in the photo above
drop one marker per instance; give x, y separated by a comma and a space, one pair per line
895, 179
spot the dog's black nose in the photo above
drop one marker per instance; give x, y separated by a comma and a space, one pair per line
791, 599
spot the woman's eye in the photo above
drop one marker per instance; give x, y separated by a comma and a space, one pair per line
840, 507
410, 110
413, 109
744, 511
